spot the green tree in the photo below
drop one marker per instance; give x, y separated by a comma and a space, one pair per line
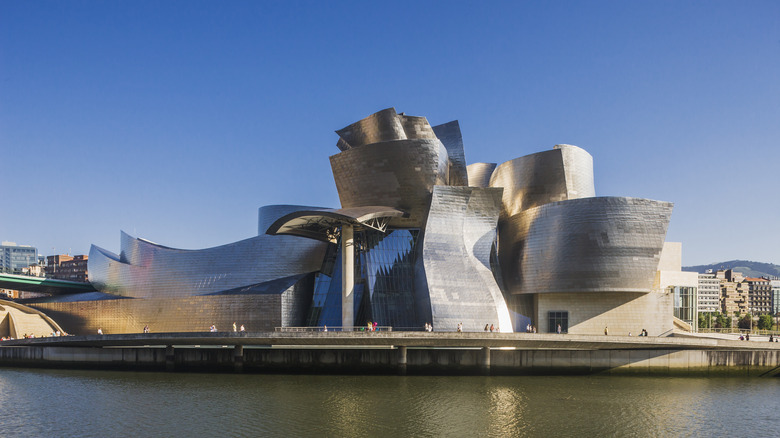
765, 322
722, 321
746, 322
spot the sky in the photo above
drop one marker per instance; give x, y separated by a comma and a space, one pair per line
176, 120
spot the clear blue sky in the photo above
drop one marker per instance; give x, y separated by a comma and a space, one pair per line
175, 121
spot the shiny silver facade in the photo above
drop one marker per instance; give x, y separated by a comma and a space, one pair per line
480, 173
399, 174
382, 126
459, 236
145, 270
435, 241
450, 136
605, 244
565, 172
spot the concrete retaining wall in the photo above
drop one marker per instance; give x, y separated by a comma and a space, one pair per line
390, 361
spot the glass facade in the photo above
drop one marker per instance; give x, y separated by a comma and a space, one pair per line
556, 318
685, 304
13, 258
386, 267
384, 281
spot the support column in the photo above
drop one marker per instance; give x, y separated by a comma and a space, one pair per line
170, 362
347, 277
238, 358
484, 361
401, 360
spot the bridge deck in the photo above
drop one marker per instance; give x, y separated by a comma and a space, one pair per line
524, 341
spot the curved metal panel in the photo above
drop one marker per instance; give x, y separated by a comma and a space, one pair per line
381, 126
450, 136
459, 235
320, 224
480, 173
606, 244
416, 127
269, 214
565, 172
398, 174
578, 168
145, 269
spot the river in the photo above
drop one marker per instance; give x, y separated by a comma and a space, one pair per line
68, 403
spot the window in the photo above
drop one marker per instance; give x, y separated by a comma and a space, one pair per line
558, 317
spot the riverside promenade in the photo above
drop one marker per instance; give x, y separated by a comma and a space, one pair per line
397, 352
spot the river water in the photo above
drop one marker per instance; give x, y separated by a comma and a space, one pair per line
68, 403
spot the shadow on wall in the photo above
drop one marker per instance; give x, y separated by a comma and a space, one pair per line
621, 313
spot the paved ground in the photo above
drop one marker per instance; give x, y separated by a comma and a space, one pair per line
525, 341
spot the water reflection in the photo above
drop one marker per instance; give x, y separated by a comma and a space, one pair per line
79, 403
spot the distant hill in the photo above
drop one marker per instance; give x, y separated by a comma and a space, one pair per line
747, 268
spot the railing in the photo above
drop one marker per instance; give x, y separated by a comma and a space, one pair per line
739, 331
380, 328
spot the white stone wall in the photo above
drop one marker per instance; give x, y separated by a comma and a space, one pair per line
621, 313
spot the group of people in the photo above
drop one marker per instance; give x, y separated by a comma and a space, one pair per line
32, 336
530, 328
213, 328
491, 328
428, 327
371, 326
746, 337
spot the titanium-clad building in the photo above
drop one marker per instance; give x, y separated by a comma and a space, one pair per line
420, 237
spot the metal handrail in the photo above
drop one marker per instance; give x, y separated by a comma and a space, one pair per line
381, 328
735, 330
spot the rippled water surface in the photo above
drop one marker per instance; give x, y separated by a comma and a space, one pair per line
96, 404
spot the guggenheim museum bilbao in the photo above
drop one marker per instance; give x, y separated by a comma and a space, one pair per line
420, 238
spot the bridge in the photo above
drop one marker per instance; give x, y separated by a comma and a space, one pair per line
44, 285
398, 352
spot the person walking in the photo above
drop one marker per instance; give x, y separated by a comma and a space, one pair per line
606, 331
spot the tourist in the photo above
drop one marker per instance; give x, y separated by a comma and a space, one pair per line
606, 331
771, 338
324, 328
559, 329
100, 331
243, 329
747, 337
629, 333
146, 328
486, 327
460, 327
373, 328
491, 328
234, 327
